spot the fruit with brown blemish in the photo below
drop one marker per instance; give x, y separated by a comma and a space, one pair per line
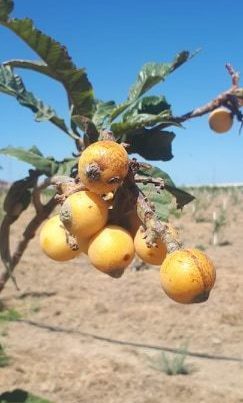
103, 166
187, 276
154, 255
84, 213
54, 241
111, 250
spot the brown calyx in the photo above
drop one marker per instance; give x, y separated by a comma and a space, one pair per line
93, 172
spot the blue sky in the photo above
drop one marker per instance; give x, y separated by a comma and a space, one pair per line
112, 40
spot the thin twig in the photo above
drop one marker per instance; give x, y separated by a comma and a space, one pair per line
157, 182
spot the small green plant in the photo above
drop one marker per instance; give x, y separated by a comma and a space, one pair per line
9, 315
219, 221
172, 366
4, 359
21, 396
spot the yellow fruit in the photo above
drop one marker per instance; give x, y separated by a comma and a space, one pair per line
111, 250
154, 255
187, 276
84, 213
53, 240
220, 120
103, 166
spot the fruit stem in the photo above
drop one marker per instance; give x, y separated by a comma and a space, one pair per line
155, 228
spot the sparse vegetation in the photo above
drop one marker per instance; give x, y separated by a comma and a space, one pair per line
4, 359
8, 315
172, 364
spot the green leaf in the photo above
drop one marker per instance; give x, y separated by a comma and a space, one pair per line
6, 7
149, 105
163, 200
156, 172
9, 315
35, 65
152, 73
119, 109
66, 166
36, 150
139, 121
58, 65
151, 144
11, 84
21, 396
182, 197
47, 166
103, 112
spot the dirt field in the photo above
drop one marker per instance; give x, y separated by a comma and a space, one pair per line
79, 367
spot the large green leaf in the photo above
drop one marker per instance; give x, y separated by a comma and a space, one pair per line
35, 65
152, 73
163, 200
59, 65
12, 84
140, 121
102, 112
151, 144
149, 105
66, 166
46, 165
6, 6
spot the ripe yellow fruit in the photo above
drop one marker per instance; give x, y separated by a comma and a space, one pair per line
187, 276
53, 240
111, 250
154, 255
220, 120
84, 213
103, 166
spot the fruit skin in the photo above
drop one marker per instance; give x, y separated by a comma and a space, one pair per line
154, 255
187, 276
220, 120
84, 213
53, 241
111, 250
103, 166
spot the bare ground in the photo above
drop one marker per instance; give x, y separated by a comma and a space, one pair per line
79, 368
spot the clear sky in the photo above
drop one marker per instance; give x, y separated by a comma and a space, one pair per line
112, 40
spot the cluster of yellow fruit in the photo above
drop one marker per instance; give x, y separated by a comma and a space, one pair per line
186, 275
220, 120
